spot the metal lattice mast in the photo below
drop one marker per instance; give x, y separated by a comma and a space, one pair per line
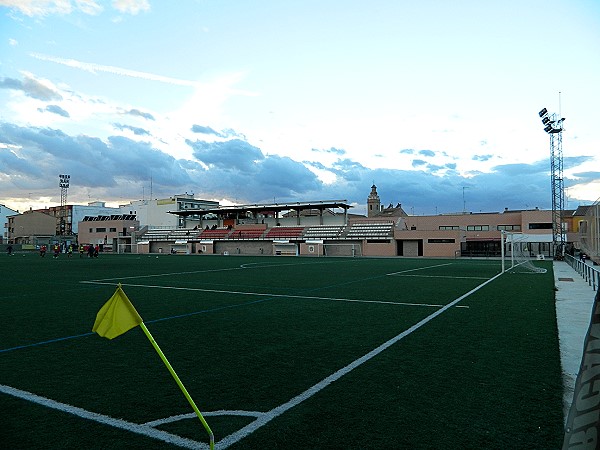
63, 183
554, 128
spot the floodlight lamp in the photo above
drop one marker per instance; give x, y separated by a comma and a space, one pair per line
545, 120
548, 128
543, 112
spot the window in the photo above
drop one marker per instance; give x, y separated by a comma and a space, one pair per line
540, 226
113, 230
449, 227
100, 230
441, 241
509, 227
478, 228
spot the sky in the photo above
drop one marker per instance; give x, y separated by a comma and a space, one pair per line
434, 101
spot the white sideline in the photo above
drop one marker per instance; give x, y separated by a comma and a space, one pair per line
100, 418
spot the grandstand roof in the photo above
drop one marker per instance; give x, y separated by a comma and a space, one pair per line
266, 208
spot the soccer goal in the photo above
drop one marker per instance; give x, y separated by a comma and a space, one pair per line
339, 249
127, 248
519, 257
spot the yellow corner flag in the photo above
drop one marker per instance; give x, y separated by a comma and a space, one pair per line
117, 316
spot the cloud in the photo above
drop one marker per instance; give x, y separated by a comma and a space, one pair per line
131, 6
205, 130
91, 161
119, 167
136, 130
95, 68
31, 87
332, 150
573, 161
587, 177
137, 112
234, 154
55, 109
34, 8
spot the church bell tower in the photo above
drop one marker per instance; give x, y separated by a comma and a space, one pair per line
373, 202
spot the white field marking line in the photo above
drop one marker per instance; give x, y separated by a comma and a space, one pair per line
441, 276
277, 411
144, 430
224, 269
261, 294
222, 412
418, 268
169, 274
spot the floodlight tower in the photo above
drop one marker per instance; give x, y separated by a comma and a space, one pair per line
554, 127
63, 183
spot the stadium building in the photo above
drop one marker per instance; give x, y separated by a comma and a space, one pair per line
326, 228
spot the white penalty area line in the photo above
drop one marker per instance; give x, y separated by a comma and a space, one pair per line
440, 276
277, 411
145, 429
262, 294
418, 268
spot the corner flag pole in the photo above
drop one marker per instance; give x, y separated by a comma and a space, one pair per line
180, 384
117, 316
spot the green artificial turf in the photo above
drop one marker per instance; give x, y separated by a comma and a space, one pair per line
251, 333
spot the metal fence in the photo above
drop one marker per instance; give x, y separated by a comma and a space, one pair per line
586, 269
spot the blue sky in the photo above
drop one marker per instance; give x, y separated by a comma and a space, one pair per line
257, 101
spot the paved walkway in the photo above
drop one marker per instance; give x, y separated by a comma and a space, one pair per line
574, 301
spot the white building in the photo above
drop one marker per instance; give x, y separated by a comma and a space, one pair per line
4, 213
155, 213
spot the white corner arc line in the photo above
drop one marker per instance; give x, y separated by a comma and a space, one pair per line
277, 411
222, 412
144, 430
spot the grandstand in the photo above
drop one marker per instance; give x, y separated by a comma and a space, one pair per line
368, 230
285, 232
323, 232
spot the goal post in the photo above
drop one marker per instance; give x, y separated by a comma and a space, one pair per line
519, 257
127, 248
341, 249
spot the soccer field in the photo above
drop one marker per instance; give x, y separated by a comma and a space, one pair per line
280, 352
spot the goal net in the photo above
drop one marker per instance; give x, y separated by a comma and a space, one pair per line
520, 255
336, 249
589, 232
127, 248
